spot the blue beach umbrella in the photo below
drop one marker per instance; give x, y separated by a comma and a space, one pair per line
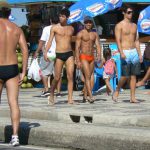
91, 8
144, 21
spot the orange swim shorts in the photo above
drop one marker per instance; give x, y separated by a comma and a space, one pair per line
89, 58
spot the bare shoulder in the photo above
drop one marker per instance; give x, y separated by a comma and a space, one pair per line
96, 34
71, 28
134, 25
16, 29
55, 27
119, 25
79, 35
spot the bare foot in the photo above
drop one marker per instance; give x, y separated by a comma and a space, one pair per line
140, 83
51, 100
72, 102
115, 97
147, 93
134, 101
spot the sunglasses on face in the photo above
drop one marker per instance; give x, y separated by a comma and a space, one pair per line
129, 12
88, 21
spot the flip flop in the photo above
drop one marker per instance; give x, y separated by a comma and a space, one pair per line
84, 100
91, 101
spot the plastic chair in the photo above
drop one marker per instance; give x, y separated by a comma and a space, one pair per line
98, 73
118, 65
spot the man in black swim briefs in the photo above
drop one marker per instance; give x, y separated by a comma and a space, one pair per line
11, 35
64, 55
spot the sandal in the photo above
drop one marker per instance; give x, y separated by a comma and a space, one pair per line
84, 100
91, 100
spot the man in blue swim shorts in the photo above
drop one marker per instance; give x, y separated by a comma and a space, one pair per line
127, 39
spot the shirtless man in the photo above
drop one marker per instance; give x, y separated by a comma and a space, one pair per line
64, 54
127, 39
85, 43
11, 35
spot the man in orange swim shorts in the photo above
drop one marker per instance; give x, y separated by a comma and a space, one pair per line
85, 41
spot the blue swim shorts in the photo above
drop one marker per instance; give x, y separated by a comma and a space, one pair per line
131, 65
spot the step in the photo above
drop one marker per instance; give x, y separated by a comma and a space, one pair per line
112, 119
73, 135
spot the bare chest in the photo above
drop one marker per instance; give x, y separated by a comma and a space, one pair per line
88, 37
129, 30
64, 32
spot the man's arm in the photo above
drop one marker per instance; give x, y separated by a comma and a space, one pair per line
23, 45
118, 39
137, 45
40, 46
77, 48
49, 43
98, 47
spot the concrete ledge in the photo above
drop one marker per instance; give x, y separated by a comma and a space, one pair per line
83, 136
76, 117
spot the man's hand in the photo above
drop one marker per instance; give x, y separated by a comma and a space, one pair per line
79, 65
21, 76
98, 59
35, 55
123, 55
45, 56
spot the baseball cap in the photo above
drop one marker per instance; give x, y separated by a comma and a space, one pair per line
88, 18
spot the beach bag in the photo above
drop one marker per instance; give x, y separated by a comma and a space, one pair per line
34, 71
109, 67
147, 52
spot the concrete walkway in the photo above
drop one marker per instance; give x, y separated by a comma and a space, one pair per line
99, 126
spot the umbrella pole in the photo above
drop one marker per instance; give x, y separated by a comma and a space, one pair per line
94, 24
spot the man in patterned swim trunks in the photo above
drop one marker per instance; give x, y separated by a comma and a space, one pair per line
127, 39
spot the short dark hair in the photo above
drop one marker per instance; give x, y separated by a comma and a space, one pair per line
65, 12
54, 19
107, 53
125, 7
5, 12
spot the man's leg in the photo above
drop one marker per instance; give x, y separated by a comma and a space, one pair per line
59, 85
146, 77
45, 83
12, 94
70, 70
132, 88
87, 75
120, 84
58, 69
92, 81
1, 87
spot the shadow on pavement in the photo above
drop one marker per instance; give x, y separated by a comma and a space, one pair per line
24, 132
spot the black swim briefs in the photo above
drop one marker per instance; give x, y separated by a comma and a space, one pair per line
64, 56
8, 71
